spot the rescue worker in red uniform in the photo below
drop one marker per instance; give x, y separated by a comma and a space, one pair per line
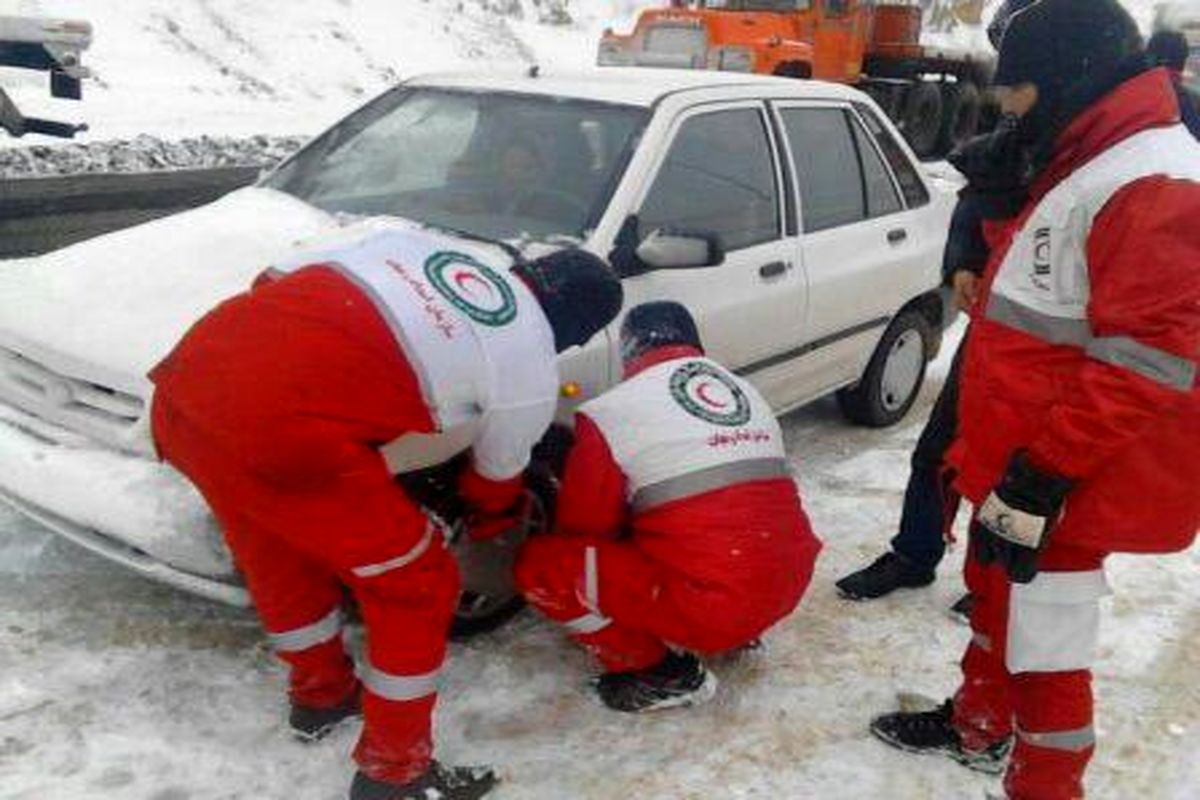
291, 406
1080, 405
679, 526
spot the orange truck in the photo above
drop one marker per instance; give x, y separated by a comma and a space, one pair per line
935, 95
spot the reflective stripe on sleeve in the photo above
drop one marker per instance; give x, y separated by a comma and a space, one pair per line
1050, 329
707, 480
588, 623
591, 579
1160, 366
1072, 741
374, 570
299, 639
398, 687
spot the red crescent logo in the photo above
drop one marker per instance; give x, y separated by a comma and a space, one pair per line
702, 393
461, 280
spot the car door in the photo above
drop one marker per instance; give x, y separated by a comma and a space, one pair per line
858, 238
720, 174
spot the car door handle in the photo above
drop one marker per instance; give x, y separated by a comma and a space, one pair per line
773, 270
897, 236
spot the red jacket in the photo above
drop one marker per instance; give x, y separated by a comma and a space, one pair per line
1113, 402
293, 377
743, 554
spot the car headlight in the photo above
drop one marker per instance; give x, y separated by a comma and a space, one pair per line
734, 59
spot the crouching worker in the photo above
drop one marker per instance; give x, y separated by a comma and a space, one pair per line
680, 529
286, 405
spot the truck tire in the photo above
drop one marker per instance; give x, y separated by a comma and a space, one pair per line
921, 120
892, 380
962, 109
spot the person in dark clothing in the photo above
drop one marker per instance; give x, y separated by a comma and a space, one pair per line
930, 503
1170, 49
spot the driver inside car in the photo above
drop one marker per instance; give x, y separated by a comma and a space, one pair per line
282, 405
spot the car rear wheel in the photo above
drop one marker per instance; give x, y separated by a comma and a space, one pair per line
893, 377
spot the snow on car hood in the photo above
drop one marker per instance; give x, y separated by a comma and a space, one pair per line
108, 309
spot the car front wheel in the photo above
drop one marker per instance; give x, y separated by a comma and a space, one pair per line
893, 377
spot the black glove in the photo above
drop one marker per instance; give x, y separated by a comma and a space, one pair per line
1015, 522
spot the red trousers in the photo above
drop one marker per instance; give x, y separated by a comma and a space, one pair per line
1027, 670
273, 405
297, 554
626, 608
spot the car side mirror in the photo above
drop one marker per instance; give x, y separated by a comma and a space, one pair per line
680, 250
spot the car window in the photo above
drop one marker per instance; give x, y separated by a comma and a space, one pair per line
718, 177
915, 193
831, 182
882, 197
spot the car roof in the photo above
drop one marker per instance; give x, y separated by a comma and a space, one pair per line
630, 85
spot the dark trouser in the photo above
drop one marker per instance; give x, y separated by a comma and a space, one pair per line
929, 501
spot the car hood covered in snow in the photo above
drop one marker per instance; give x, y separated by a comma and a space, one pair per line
108, 309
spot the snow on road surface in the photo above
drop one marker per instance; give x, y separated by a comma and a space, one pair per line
115, 688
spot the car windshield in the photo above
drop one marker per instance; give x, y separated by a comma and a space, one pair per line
502, 166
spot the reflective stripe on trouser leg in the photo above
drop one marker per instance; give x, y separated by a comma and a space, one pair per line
587, 624
1073, 741
1054, 622
400, 688
306, 637
591, 579
400, 561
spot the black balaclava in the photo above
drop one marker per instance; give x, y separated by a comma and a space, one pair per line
1075, 52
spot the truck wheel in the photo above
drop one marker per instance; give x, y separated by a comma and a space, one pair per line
962, 108
893, 377
922, 118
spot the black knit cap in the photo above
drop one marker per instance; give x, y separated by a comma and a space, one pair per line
1059, 44
653, 325
578, 292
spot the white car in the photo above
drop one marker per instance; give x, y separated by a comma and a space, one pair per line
788, 215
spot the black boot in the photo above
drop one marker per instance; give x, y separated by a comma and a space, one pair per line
314, 724
439, 781
678, 680
933, 732
890, 572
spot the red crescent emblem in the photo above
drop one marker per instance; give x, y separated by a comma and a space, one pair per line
702, 393
461, 280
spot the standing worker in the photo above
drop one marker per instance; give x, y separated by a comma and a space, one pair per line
1080, 408
679, 530
280, 405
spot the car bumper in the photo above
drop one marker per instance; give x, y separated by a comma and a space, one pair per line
131, 510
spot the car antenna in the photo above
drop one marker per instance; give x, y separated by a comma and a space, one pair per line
535, 71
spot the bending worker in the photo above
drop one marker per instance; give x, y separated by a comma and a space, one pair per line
278, 405
680, 529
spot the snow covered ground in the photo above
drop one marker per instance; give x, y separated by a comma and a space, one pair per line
114, 688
